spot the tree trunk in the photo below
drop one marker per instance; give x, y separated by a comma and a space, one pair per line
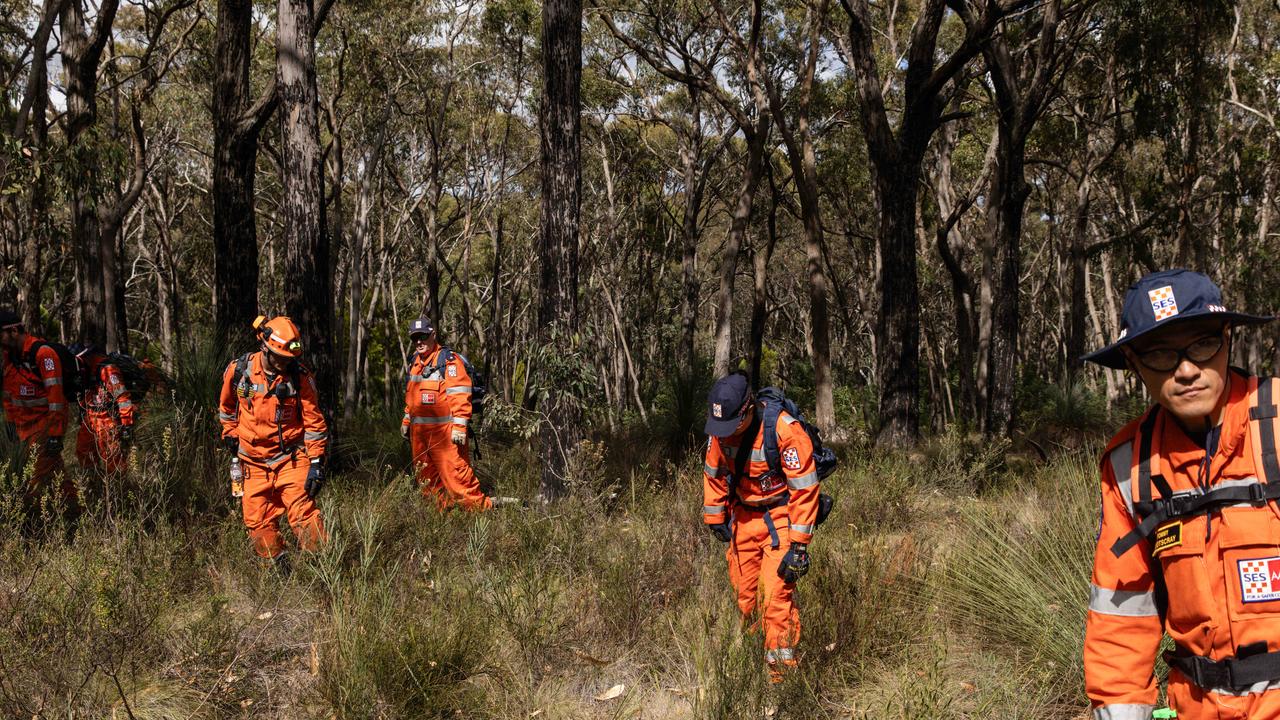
756, 141
308, 275
760, 293
235, 157
898, 325
561, 129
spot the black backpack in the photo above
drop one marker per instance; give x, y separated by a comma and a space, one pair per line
132, 374
775, 401
74, 380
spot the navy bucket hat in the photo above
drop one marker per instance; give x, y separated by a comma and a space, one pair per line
1165, 298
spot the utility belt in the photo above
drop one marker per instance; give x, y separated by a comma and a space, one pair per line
825, 505
1251, 665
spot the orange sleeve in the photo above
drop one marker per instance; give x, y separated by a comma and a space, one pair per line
715, 485
796, 452
1122, 629
50, 368
111, 380
229, 404
315, 432
456, 384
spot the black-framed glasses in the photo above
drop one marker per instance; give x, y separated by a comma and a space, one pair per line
1166, 359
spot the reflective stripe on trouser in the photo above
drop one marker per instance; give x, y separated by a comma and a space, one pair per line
98, 443
444, 469
753, 570
275, 491
1123, 712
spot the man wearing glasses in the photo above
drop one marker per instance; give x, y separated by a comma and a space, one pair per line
1189, 542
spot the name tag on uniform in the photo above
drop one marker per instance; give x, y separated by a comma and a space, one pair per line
428, 398
1259, 579
27, 390
1167, 536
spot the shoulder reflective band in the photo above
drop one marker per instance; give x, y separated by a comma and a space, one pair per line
1123, 712
1122, 602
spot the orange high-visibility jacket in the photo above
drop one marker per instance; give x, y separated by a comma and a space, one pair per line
761, 487
434, 397
274, 416
109, 392
1214, 607
34, 398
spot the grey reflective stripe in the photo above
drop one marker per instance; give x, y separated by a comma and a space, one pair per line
308, 435
784, 654
30, 402
786, 418
50, 382
1124, 712
1239, 482
712, 510
802, 482
1124, 603
227, 416
118, 392
416, 378
711, 470
460, 421
432, 420
797, 527
460, 390
56, 406
1121, 466
126, 405
757, 454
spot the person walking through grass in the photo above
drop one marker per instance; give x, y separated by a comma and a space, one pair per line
1189, 539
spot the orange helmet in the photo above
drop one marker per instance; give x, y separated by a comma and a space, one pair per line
280, 336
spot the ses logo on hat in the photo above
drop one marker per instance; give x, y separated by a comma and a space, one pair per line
1260, 579
717, 410
1163, 303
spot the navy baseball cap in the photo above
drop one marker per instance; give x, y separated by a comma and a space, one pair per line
421, 326
725, 404
1165, 298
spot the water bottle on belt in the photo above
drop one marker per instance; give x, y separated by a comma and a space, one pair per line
237, 478
1164, 714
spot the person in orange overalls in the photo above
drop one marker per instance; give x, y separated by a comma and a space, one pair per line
437, 408
271, 421
1189, 540
35, 407
767, 519
106, 423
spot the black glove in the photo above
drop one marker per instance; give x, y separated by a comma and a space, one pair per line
315, 480
231, 443
53, 444
722, 531
126, 435
794, 564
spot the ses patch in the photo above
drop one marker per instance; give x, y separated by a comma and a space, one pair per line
1167, 536
1259, 579
428, 398
791, 459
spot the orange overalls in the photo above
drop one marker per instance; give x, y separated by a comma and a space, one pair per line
437, 400
1219, 563
280, 428
106, 407
767, 514
35, 402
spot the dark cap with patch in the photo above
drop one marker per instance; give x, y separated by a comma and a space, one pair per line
1165, 298
726, 403
421, 326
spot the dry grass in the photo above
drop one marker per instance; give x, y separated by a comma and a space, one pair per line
158, 609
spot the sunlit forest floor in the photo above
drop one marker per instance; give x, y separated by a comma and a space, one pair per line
950, 583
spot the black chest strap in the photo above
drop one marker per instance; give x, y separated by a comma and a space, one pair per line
1251, 665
